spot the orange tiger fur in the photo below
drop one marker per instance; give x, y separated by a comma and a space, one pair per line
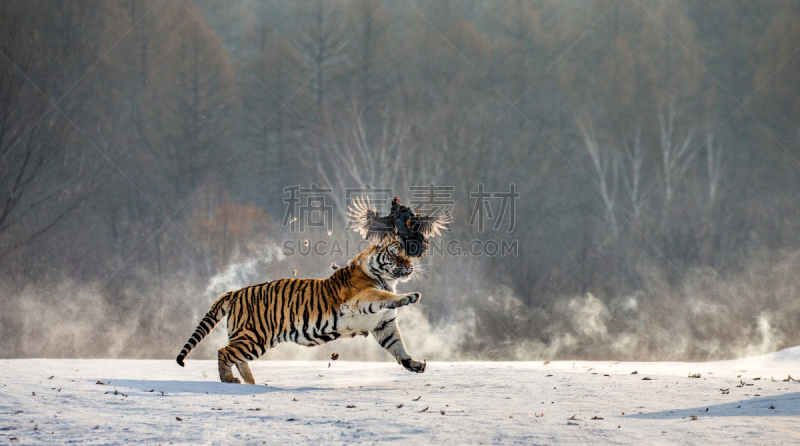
356, 299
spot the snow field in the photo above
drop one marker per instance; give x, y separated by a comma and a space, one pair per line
91, 401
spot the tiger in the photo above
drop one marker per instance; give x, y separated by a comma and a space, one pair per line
357, 299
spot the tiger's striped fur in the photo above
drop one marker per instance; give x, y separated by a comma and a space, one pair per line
356, 299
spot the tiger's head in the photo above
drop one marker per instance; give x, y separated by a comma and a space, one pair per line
387, 261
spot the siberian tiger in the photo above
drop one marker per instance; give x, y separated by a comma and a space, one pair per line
356, 299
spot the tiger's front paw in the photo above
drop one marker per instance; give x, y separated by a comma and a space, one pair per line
414, 366
408, 299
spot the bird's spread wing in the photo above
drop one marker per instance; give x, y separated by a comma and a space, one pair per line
367, 222
433, 225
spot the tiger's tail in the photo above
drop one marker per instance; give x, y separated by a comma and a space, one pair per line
210, 320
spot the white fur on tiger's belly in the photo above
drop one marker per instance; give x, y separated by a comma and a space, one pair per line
349, 325
354, 324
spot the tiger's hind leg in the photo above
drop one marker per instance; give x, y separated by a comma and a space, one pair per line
225, 372
244, 371
238, 352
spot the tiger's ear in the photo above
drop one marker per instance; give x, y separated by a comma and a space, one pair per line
357, 259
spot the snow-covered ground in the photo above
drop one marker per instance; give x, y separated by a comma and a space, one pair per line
746, 401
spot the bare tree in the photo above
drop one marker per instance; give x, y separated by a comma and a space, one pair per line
635, 159
44, 175
320, 41
353, 154
714, 164
675, 157
603, 160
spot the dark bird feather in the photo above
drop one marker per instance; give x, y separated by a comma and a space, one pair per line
367, 222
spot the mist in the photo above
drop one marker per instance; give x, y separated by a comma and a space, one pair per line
641, 158
706, 317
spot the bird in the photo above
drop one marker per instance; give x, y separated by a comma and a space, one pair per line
334, 266
411, 229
